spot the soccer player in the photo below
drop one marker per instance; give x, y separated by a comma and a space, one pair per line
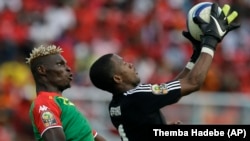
54, 117
134, 106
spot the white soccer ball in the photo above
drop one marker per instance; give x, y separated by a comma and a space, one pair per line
202, 10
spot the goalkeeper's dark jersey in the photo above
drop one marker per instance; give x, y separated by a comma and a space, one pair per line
135, 110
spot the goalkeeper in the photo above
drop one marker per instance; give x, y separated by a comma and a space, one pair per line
135, 106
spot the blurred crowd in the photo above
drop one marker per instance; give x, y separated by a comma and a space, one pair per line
147, 33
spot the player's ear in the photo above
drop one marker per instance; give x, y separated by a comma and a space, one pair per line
117, 78
41, 70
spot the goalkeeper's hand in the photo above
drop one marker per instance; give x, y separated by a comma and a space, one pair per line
196, 46
220, 24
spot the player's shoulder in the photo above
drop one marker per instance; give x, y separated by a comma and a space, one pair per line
154, 88
44, 99
48, 96
142, 88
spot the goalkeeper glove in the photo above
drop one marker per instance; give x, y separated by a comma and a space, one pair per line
220, 24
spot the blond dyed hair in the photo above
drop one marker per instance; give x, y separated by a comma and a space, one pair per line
43, 51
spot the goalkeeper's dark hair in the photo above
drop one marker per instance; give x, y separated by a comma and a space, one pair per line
101, 73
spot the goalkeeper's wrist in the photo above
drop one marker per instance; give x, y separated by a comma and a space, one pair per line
209, 41
208, 50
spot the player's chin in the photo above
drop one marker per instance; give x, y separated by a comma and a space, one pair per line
138, 78
67, 84
64, 87
136, 81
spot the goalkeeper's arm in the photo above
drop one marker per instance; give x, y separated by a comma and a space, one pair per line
214, 32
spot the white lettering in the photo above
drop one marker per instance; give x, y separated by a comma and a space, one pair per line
115, 111
159, 132
196, 132
43, 108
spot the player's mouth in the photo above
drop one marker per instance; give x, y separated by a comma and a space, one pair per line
71, 77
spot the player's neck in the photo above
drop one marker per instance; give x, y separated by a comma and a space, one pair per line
48, 89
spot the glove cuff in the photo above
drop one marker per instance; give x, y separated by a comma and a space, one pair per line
209, 41
207, 50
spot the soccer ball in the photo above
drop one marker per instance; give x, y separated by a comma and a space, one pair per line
202, 10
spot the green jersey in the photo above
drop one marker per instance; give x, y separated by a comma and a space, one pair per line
51, 110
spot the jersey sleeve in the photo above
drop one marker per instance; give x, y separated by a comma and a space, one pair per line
154, 97
94, 132
46, 115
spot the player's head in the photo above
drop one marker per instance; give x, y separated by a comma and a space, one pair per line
49, 68
111, 73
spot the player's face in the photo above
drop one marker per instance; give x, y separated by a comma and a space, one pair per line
58, 72
126, 70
